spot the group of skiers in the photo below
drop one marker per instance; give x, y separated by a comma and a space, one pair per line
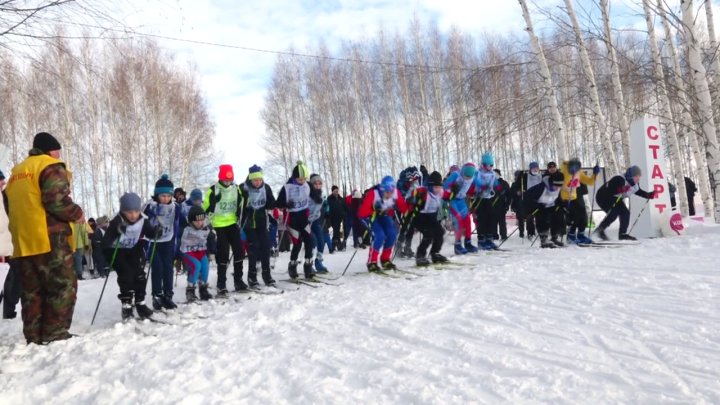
230, 219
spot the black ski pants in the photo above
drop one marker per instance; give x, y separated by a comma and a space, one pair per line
525, 220
550, 219
576, 214
131, 277
407, 229
614, 211
259, 241
486, 219
11, 290
432, 233
299, 229
229, 237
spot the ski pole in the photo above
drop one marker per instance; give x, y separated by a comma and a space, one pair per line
112, 261
511, 234
638, 217
363, 238
592, 207
535, 240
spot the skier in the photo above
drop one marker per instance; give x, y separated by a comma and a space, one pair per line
197, 241
576, 213
488, 193
164, 212
295, 198
609, 197
428, 214
501, 208
350, 219
542, 200
408, 182
258, 198
378, 210
459, 183
359, 227
223, 203
528, 180
122, 250
316, 215
196, 198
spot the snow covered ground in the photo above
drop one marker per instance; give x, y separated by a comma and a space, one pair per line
565, 326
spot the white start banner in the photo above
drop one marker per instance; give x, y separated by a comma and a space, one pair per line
656, 217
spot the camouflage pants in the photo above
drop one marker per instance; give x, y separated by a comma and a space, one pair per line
49, 287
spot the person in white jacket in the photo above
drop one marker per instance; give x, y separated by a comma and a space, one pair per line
6, 250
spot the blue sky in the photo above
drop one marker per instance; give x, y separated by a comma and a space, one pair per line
235, 80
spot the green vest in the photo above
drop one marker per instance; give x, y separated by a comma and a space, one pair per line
225, 213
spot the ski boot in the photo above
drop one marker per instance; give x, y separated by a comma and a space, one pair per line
168, 302
252, 279
373, 268
422, 261
407, 252
319, 266
545, 243
469, 247
274, 252
388, 265
222, 292
438, 258
157, 302
581, 238
267, 278
127, 308
92, 274
572, 238
600, 232
204, 294
240, 285
190, 293
625, 236
556, 240
459, 249
531, 237
489, 244
142, 310
292, 269
308, 269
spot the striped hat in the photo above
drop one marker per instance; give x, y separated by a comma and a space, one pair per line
300, 171
255, 172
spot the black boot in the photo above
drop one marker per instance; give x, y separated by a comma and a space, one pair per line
292, 269
142, 310
252, 279
267, 278
222, 292
624, 236
127, 308
308, 269
190, 293
556, 240
422, 261
388, 265
204, 294
238, 281
407, 251
168, 302
157, 302
438, 258
600, 232
544, 242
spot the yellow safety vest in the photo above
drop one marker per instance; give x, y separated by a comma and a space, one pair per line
28, 218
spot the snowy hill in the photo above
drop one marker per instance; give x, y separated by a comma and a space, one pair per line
628, 325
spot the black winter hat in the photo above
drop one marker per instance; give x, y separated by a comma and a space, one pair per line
334, 188
557, 178
2, 175
46, 142
435, 179
179, 190
196, 213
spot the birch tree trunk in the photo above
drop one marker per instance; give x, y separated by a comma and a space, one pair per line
619, 99
667, 119
592, 89
714, 47
547, 83
703, 99
687, 124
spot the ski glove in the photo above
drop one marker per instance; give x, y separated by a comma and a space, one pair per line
122, 227
651, 195
456, 188
596, 169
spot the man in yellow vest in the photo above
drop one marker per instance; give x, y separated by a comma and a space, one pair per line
41, 213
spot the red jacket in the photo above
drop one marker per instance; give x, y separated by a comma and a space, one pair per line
374, 195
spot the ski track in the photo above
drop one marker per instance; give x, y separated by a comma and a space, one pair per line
564, 326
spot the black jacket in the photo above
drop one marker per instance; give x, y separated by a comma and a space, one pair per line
689, 186
336, 206
607, 191
255, 218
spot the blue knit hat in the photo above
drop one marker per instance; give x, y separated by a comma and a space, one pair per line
468, 170
164, 186
488, 159
255, 172
388, 184
534, 165
196, 195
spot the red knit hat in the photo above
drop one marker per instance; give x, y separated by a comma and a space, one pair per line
226, 173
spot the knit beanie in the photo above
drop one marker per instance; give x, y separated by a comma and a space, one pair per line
334, 188
196, 195
179, 190
534, 165
130, 202
454, 168
255, 172
102, 220
356, 194
557, 179
164, 185
488, 159
551, 165
435, 179
388, 184
46, 142
2, 175
196, 213
314, 178
300, 171
469, 170
226, 173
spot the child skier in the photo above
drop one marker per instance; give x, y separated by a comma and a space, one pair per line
197, 241
163, 212
121, 248
378, 209
459, 184
609, 197
428, 214
316, 211
526, 181
258, 197
223, 203
488, 193
295, 198
543, 203
409, 181
577, 215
